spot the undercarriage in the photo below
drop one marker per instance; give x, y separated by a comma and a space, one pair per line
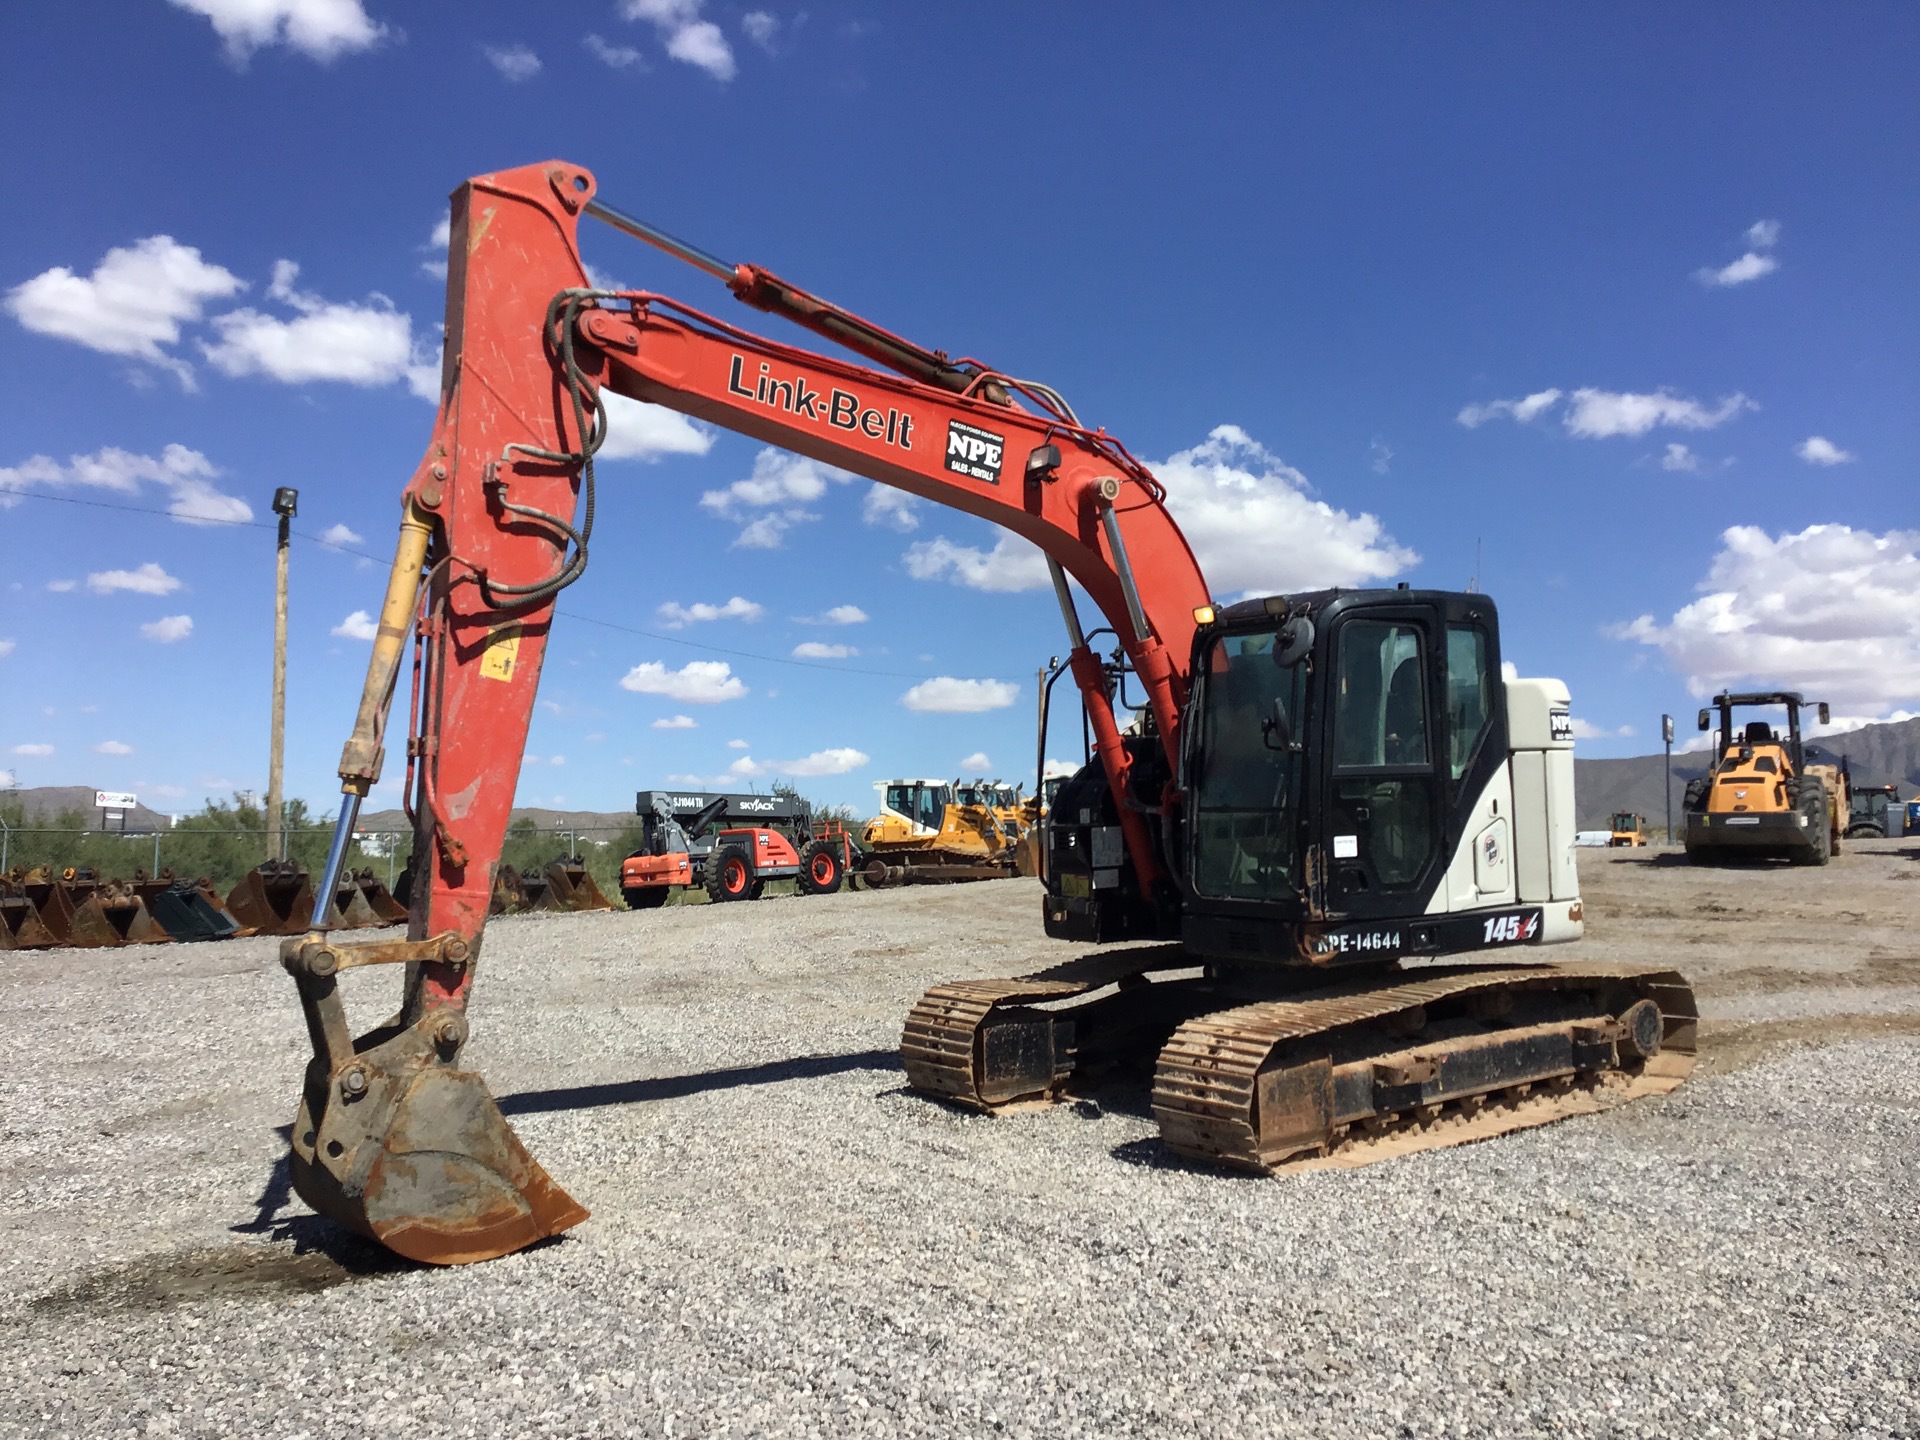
1259, 1070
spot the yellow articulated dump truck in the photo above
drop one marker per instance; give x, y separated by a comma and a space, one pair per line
1763, 798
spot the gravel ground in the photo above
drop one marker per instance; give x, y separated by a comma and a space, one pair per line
784, 1242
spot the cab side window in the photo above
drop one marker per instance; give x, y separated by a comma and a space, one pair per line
1469, 695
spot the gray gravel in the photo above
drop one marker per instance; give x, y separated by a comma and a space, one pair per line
784, 1242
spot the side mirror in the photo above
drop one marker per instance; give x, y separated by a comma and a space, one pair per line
1275, 732
1290, 646
1826, 715
1706, 719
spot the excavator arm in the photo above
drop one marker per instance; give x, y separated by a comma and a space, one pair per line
393, 1139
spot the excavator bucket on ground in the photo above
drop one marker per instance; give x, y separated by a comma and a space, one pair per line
189, 909
350, 908
110, 912
21, 927
509, 892
395, 1143
380, 902
51, 900
569, 886
273, 898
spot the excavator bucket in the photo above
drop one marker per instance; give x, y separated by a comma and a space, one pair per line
112, 913
274, 898
394, 1142
533, 892
52, 899
190, 910
571, 887
509, 895
350, 908
21, 927
381, 902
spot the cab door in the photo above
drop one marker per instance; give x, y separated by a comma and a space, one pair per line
1383, 823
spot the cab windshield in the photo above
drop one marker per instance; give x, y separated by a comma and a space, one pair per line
1245, 774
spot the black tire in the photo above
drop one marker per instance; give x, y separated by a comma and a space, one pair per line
1811, 801
730, 875
646, 897
822, 868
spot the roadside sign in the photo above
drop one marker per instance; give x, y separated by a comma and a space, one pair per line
114, 800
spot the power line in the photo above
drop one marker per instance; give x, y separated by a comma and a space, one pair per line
568, 614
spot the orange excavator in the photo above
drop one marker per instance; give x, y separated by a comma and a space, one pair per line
1315, 795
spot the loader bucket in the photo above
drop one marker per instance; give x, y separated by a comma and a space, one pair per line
189, 910
420, 1157
112, 914
274, 898
21, 927
571, 887
386, 907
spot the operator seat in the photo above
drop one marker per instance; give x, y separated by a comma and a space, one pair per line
1759, 733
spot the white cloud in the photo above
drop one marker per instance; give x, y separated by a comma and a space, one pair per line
838, 615
687, 37
148, 579
112, 747
1761, 235
779, 485
1586, 730
815, 650
977, 762
7, 647
1750, 266
38, 751
1012, 564
188, 474
1523, 410
1818, 450
1831, 611
698, 682
341, 535
837, 761
1679, 457
676, 722
1056, 768
168, 629
369, 344
1255, 526
737, 745
436, 249
1601, 414
1380, 457
638, 431
617, 57
514, 62
944, 695
357, 626
133, 303
8, 779
320, 29
890, 508
557, 760
677, 616
760, 28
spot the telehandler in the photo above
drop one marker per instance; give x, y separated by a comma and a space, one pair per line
1317, 792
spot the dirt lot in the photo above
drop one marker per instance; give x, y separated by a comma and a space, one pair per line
784, 1241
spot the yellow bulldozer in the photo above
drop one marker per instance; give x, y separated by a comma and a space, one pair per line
1763, 798
926, 834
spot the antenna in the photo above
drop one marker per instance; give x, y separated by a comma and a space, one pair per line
1473, 583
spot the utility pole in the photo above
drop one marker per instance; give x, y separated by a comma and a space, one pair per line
286, 504
1666, 734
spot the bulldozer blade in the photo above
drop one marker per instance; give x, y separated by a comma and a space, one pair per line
571, 887
273, 898
415, 1154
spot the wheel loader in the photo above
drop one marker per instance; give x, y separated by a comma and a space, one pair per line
1312, 798
1763, 797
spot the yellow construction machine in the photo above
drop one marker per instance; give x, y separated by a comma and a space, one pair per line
1628, 830
925, 834
1763, 798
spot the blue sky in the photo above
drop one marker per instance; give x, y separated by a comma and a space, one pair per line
1614, 307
